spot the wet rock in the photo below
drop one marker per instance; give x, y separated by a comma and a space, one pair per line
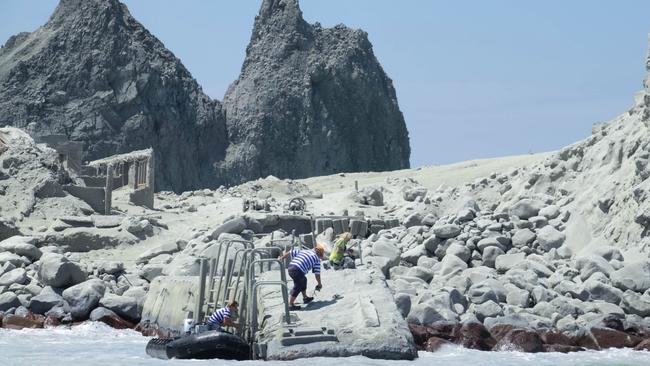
611, 338
30, 321
522, 340
473, 335
644, 345
109, 318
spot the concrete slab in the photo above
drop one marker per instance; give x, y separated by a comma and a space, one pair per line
354, 314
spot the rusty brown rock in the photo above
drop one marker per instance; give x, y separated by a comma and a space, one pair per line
51, 321
115, 321
30, 321
522, 340
474, 336
611, 338
500, 330
644, 345
434, 343
557, 338
587, 341
151, 330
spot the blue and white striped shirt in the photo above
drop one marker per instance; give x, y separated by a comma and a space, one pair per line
219, 316
305, 260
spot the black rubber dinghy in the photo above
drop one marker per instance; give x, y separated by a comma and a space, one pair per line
201, 346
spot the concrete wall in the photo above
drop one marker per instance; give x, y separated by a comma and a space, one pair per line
94, 181
93, 196
169, 300
142, 197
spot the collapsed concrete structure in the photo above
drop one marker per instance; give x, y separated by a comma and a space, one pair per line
96, 181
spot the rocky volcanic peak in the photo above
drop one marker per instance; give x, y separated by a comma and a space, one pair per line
310, 101
96, 74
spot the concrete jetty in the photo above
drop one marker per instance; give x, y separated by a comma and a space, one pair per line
354, 314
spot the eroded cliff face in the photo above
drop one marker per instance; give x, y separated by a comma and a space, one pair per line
309, 101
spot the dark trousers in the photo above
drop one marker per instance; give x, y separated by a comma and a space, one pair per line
299, 281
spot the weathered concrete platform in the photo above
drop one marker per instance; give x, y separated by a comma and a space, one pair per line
168, 301
354, 314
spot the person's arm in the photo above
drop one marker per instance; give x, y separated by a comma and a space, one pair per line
287, 253
229, 323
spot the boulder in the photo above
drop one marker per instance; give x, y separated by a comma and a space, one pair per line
490, 255
521, 340
447, 231
459, 250
611, 338
480, 293
151, 271
488, 309
109, 318
420, 272
18, 322
634, 276
506, 262
15, 276
57, 271
123, 306
473, 335
22, 246
110, 267
386, 249
371, 196
609, 253
523, 237
550, 212
412, 255
403, 302
9, 300
139, 294
411, 194
14, 259
634, 303
414, 219
601, 291
234, 226
525, 208
182, 265
431, 243
548, 238
451, 264
423, 314
518, 297
489, 242
45, 301
593, 264
84, 297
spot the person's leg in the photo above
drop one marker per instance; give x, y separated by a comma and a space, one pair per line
296, 286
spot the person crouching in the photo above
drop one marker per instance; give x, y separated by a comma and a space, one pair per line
301, 263
223, 317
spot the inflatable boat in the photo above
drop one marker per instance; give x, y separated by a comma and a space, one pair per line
207, 345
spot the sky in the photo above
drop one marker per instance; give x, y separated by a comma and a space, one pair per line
474, 79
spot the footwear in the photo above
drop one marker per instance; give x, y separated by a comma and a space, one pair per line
307, 300
294, 307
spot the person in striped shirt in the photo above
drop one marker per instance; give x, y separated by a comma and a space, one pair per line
223, 317
303, 261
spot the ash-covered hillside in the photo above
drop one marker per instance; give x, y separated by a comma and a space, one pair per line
309, 101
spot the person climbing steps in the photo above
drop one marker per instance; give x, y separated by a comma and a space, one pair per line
301, 263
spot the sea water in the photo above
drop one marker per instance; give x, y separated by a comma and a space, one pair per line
97, 344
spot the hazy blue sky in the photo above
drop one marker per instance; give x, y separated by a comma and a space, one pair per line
474, 79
